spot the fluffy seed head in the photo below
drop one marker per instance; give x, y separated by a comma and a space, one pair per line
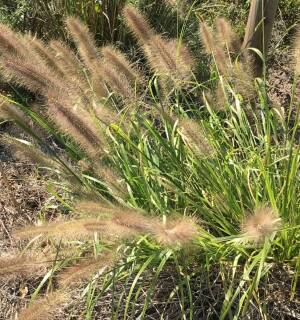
43, 55
176, 232
76, 122
119, 61
84, 41
83, 270
24, 264
194, 136
23, 150
243, 78
180, 5
261, 224
10, 111
118, 82
92, 207
297, 52
35, 78
213, 47
227, 36
207, 38
79, 229
70, 65
11, 43
45, 308
137, 23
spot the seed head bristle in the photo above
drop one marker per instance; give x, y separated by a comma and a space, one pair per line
120, 62
34, 78
45, 308
220, 98
172, 63
78, 229
94, 207
27, 151
193, 134
70, 65
112, 179
135, 220
45, 55
227, 36
10, 111
167, 61
105, 114
84, 41
138, 24
98, 86
213, 47
76, 122
24, 264
297, 52
72, 275
73, 229
222, 60
243, 77
11, 43
207, 38
261, 224
176, 232
118, 82
180, 5
184, 61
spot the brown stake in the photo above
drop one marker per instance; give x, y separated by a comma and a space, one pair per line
259, 29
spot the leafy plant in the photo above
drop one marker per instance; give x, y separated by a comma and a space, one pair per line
165, 172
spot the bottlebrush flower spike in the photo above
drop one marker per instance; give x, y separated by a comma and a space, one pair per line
177, 231
46, 307
261, 224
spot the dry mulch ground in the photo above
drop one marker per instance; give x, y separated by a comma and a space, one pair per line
22, 198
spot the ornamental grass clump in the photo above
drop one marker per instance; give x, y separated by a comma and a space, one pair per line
155, 176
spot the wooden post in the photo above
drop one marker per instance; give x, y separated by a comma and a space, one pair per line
259, 29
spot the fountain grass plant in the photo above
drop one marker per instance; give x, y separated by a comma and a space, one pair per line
163, 173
